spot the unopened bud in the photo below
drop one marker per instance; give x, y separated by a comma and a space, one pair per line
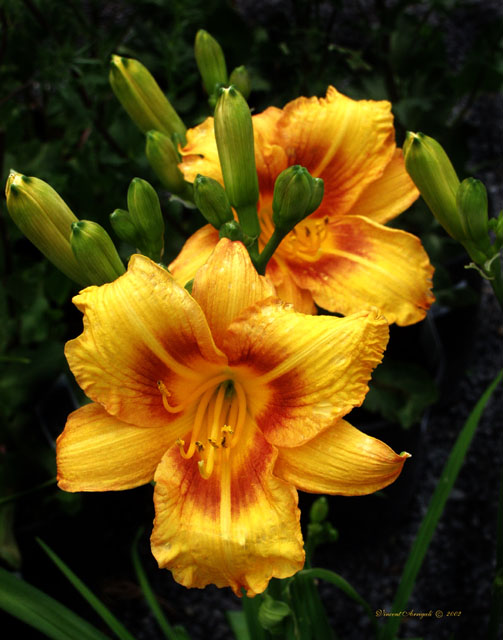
145, 212
45, 219
142, 98
95, 253
212, 201
236, 151
164, 159
433, 174
123, 226
241, 80
296, 195
210, 61
319, 510
234, 232
272, 613
471, 199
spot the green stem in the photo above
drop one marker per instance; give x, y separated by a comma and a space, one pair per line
269, 249
248, 219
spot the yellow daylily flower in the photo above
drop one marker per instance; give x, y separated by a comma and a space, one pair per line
229, 400
341, 257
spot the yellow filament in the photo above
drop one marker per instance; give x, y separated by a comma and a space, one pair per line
240, 410
198, 421
192, 397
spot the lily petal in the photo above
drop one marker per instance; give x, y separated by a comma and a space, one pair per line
138, 330
200, 154
364, 264
389, 195
238, 528
346, 142
226, 285
303, 372
195, 252
341, 460
286, 288
98, 452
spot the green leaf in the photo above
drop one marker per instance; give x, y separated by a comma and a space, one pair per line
435, 509
34, 607
171, 633
343, 585
237, 622
106, 615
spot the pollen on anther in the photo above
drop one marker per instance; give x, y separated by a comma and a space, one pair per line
162, 388
180, 442
213, 443
199, 445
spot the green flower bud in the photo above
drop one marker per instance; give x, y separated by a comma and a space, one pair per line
212, 201
272, 613
141, 97
319, 510
296, 195
163, 158
241, 80
471, 198
124, 227
433, 174
95, 252
145, 213
234, 136
210, 61
45, 219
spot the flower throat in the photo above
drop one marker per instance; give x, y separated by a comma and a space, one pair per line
218, 423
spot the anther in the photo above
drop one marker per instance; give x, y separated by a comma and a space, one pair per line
199, 445
213, 443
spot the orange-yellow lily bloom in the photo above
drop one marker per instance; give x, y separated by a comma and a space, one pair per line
342, 256
229, 400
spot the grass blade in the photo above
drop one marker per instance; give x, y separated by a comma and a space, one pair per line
343, 585
50, 617
106, 615
169, 632
496, 615
435, 509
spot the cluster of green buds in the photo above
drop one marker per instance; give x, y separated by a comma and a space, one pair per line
142, 224
81, 249
211, 63
460, 207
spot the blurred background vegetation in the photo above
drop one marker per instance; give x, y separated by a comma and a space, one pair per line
438, 61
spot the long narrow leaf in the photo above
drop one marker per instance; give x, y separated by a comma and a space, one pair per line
435, 509
239, 627
50, 617
343, 585
169, 632
105, 614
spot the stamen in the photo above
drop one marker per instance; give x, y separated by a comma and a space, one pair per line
199, 446
213, 443
212, 382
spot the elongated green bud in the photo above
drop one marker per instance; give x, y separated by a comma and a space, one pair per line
296, 195
212, 201
45, 219
210, 61
433, 174
95, 252
471, 198
164, 159
142, 98
234, 136
241, 80
319, 510
145, 213
123, 226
